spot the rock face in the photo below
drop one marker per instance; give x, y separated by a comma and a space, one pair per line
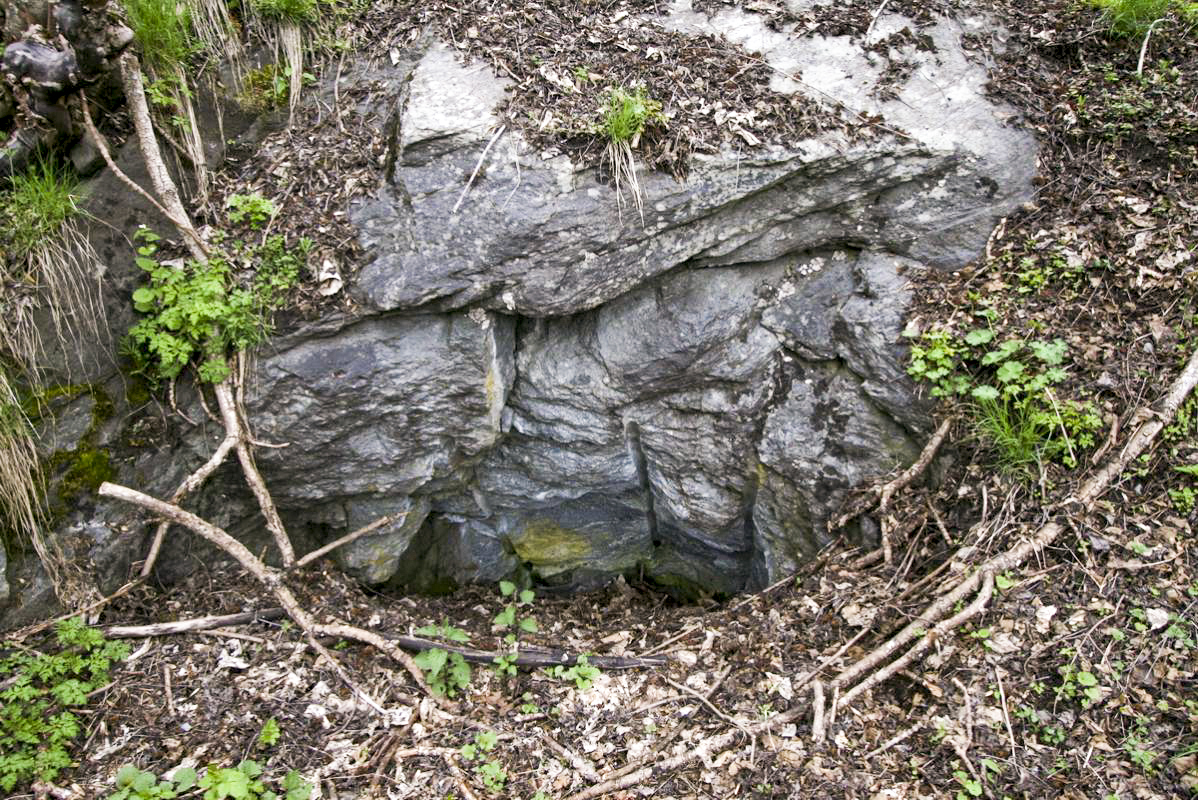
550, 383
541, 382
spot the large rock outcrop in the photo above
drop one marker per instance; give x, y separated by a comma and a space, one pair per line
541, 381
690, 396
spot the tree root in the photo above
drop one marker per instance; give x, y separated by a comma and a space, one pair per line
882, 495
932, 624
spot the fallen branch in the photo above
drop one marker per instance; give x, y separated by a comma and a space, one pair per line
882, 495
189, 485
529, 656
160, 177
190, 625
38, 627
347, 538
272, 580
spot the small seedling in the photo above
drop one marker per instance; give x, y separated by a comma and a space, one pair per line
445, 631
269, 735
489, 770
508, 620
969, 786
582, 673
445, 672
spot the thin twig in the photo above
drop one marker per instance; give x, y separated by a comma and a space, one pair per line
1144, 46
577, 762
1006, 717
877, 15
901, 736
818, 731
477, 167
885, 493
347, 538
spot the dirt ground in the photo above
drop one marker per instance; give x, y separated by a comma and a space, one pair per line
1076, 680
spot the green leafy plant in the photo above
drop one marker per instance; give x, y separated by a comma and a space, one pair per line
508, 620
269, 87
582, 673
242, 782
1010, 383
445, 672
969, 786
196, 313
1081, 684
135, 784
627, 113
445, 631
489, 770
253, 208
269, 735
36, 724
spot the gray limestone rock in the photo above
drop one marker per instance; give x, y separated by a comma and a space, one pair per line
374, 558
382, 406
545, 384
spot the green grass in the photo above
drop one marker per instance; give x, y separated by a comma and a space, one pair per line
293, 11
627, 113
622, 121
1133, 17
163, 29
1016, 431
36, 206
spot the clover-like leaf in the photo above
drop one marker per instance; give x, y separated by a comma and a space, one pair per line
984, 393
979, 336
1009, 371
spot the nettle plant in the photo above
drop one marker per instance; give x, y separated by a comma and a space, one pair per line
509, 620
252, 208
445, 672
1011, 386
198, 312
36, 723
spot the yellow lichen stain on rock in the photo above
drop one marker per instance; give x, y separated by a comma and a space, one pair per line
489, 387
545, 542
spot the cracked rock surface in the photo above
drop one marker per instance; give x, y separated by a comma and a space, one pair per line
540, 380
